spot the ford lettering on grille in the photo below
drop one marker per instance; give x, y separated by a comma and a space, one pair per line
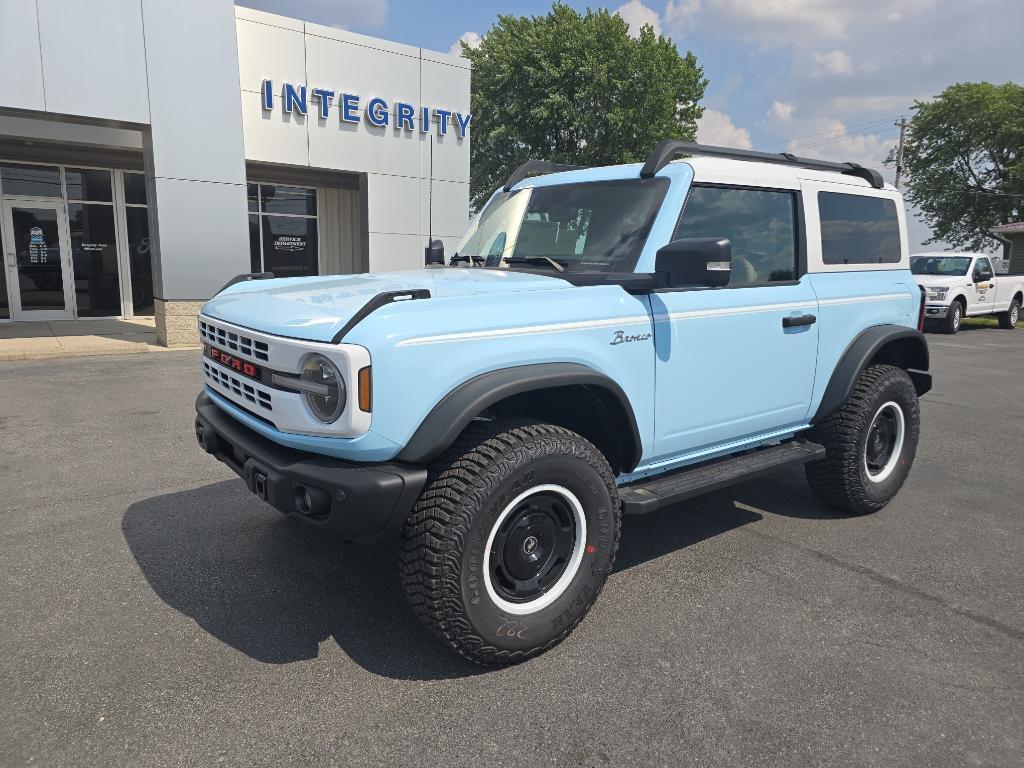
230, 361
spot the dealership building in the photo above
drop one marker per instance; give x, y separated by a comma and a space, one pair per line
151, 150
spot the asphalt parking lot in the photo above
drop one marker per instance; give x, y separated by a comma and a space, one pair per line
153, 612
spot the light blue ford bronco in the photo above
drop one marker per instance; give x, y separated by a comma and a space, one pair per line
605, 341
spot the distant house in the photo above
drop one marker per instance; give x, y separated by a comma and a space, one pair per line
1012, 237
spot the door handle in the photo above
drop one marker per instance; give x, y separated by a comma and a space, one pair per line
793, 322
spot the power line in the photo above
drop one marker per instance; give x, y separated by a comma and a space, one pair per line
837, 139
840, 131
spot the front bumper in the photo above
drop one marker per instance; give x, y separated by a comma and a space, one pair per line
935, 311
358, 502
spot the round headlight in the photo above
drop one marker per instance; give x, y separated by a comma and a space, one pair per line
326, 401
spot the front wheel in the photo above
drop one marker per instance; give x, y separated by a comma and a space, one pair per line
511, 541
870, 442
954, 317
1009, 318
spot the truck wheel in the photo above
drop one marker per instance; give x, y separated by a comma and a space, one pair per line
953, 317
512, 539
871, 441
1009, 318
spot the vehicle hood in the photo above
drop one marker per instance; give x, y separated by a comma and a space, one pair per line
316, 308
940, 281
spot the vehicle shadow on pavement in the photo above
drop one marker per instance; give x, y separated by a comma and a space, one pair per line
646, 537
275, 590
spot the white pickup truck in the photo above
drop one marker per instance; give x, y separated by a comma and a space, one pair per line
959, 285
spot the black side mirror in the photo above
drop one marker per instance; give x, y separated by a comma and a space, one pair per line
704, 262
434, 253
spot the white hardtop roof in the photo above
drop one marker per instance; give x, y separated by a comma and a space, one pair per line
938, 254
752, 172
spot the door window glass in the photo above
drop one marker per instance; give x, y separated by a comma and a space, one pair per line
283, 230
88, 184
760, 224
37, 255
858, 229
31, 180
94, 254
289, 246
982, 270
296, 201
141, 259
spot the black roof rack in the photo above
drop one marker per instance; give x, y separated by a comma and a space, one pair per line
670, 149
537, 166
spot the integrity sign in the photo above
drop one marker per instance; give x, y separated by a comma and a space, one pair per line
377, 111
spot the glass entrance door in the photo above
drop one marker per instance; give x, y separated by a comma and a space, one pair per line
37, 259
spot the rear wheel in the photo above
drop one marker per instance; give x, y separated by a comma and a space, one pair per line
870, 441
954, 317
1009, 318
511, 541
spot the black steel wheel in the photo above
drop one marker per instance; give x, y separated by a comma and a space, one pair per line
512, 539
870, 442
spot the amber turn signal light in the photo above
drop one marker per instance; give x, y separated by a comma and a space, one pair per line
365, 388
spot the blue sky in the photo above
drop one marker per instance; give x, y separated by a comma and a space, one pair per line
825, 78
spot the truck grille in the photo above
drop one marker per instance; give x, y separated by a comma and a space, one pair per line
223, 381
236, 342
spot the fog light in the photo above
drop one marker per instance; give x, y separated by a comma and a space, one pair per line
301, 500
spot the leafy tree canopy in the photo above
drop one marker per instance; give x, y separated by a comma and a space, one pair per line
965, 159
575, 88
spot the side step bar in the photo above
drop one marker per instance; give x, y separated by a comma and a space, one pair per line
648, 495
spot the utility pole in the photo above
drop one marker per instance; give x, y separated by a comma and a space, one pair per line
902, 125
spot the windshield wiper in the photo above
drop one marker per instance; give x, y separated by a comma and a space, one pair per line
473, 260
559, 265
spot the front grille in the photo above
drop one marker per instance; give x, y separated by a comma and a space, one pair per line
225, 382
236, 342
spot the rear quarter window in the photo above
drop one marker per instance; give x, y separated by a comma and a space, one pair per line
858, 229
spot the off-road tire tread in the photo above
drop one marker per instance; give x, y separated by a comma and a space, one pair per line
458, 482
836, 480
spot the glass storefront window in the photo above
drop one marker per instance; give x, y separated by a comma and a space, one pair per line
134, 188
289, 246
5, 307
31, 180
254, 243
141, 258
283, 230
89, 184
94, 253
295, 201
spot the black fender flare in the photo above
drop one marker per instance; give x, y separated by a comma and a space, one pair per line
894, 344
459, 407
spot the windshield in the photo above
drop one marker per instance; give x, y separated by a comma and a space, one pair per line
954, 266
597, 226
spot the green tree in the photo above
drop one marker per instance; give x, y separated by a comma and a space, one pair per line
575, 88
965, 159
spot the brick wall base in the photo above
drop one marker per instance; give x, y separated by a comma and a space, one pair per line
176, 322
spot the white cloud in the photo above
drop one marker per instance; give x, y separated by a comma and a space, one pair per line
788, 21
679, 13
636, 15
835, 63
781, 111
717, 129
472, 39
346, 14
